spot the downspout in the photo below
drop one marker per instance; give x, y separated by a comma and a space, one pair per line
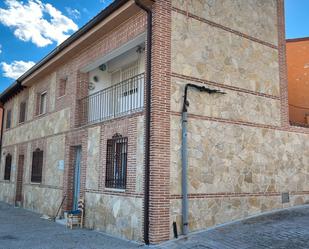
1, 134
184, 153
147, 119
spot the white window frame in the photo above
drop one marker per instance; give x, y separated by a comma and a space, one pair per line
43, 106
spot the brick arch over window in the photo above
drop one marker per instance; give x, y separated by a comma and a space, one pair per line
37, 165
8, 166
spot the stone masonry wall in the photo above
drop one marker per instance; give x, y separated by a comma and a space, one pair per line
241, 156
118, 212
117, 216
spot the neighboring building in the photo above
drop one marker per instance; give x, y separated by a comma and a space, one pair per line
83, 107
297, 52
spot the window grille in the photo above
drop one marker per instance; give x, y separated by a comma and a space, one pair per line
37, 164
116, 162
8, 165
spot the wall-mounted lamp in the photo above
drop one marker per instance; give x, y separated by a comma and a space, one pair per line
102, 67
96, 78
140, 49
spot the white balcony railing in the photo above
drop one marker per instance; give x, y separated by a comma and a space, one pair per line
115, 101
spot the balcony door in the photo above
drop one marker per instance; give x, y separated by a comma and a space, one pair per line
129, 94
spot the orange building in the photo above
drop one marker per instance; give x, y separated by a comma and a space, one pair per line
298, 79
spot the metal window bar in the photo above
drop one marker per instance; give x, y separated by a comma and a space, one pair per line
8, 166
37, 164
115, 101
116, 162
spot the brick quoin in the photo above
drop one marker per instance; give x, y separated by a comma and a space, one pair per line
159, 227
282, 65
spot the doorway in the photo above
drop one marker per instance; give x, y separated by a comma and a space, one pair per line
76, 182
19, 181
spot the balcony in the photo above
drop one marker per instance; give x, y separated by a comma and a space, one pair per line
115, 101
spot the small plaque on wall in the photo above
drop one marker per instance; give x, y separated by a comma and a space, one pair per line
61, 164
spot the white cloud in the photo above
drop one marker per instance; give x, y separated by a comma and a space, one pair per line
35, 21
103, 1
16, 68
74, 13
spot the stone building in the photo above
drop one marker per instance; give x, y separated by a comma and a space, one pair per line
81, 123
297, 54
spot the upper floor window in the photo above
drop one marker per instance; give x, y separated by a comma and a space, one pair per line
8, 119
42, 103
37, 165
62, 87
8, 165
22, 112
116, 162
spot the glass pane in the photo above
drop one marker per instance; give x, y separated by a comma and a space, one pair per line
43, 103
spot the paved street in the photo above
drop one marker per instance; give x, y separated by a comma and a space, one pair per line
288, 229
21, 229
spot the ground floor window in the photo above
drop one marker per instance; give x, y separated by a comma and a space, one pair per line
8, 165
116, 162
37, 164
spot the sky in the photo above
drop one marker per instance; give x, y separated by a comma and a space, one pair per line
30, 29
297, 18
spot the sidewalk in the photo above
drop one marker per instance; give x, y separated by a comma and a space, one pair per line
286, 229
22, 229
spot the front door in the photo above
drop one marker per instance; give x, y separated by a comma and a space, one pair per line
19, 182
76, 188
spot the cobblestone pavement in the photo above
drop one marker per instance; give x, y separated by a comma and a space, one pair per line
286, 229
22, 229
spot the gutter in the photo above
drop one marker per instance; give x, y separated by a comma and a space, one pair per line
147, 120
83, 30
184, 152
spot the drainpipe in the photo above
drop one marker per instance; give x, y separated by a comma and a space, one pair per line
1, 134
147, 119
184, 153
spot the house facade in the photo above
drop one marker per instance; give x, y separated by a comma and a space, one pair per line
76, 125
298, 79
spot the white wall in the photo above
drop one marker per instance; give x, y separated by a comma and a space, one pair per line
104, 78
